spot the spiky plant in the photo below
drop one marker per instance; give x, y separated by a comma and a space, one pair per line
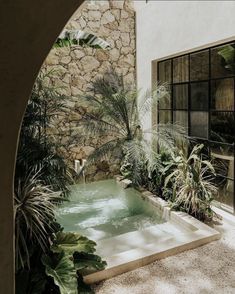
34, 206
191, 184
118, 112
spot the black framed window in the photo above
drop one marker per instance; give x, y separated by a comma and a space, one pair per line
202, 92
202, 99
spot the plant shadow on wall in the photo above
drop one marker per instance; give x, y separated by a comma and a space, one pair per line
47, 259
160, 164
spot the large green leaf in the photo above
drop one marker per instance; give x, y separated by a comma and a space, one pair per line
228, 54
87, 263
62, 270
83, 288
71, 242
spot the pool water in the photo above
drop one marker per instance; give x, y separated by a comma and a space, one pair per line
103, 209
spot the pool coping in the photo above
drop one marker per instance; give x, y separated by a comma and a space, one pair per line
199, 234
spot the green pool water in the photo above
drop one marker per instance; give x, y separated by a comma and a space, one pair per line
104, 209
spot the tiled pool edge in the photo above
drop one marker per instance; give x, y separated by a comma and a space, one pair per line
135, 258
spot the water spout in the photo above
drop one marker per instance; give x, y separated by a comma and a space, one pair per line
79, 167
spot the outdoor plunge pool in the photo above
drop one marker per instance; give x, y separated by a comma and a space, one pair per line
131, 228
103, 209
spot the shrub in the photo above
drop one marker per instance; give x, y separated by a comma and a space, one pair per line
191, 184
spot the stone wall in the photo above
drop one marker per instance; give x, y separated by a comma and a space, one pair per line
76, 67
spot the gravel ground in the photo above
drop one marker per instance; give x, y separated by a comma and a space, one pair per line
207, 269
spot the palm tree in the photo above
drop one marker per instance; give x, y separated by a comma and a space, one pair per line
118, 114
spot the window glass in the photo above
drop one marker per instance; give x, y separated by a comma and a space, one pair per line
181, 118
223, 149
180, 96
222, 94
181, 69
199, 124
164, 116
165, 101
199, 66
223, 61
165, 71
199, 96
223, 126
225, 191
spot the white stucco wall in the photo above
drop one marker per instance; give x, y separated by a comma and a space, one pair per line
165, 28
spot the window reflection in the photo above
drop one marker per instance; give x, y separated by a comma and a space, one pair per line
165, 71
222, 126
223, 61
199, 66
181, 69
181, 118
222, 94
165, 102
199, 124
180, 96
199, 96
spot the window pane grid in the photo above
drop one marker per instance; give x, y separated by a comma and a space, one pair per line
203, 101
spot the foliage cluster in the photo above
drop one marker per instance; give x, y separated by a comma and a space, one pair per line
118, 113
160, 163
61, 268
47, 260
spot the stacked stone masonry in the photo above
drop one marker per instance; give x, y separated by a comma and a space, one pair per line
76, 67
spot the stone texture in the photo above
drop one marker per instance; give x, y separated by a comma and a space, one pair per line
77, 54
116, 4
66, 59
107, 17
77, 66
102, 55
114, 54
125, 37
115, 35
89, 63
94, 14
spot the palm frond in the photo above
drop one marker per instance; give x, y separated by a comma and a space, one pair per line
79, 37
106, 149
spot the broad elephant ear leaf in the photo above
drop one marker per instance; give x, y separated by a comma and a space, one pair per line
83, 288
86, 263
63, 272
71, 242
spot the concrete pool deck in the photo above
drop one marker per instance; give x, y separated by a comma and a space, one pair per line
132, 250
207, 269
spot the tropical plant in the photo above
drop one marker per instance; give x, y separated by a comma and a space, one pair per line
41, 180
34, 206
117, 114
38, 150
72, 256
191, 184
77, 37
228, 54
159, 168
61, 268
